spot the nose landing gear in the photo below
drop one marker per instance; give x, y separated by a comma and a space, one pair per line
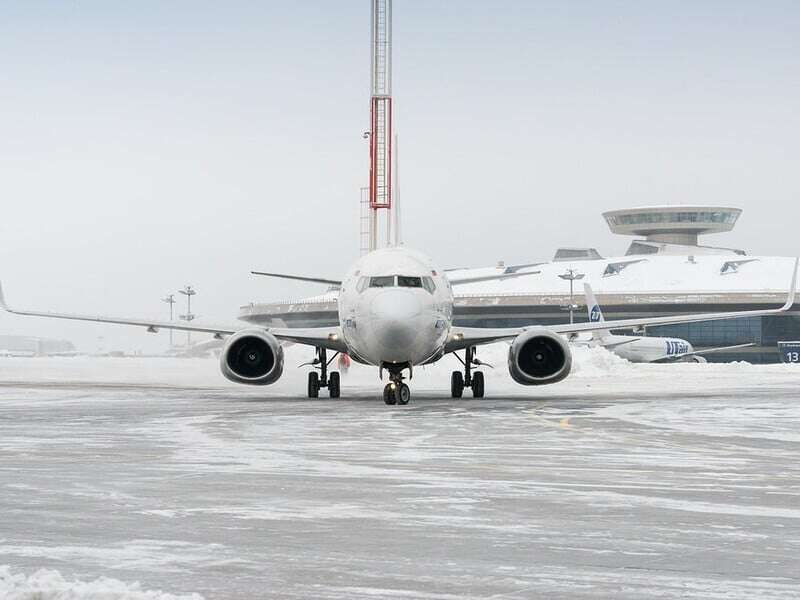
321, 379
396, 392
459, 381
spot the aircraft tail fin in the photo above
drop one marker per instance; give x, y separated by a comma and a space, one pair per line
595, 313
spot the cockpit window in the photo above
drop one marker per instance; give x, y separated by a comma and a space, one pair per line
382, 281
362, 284
404, 281
428, 284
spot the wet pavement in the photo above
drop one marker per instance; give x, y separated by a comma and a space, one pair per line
235, 494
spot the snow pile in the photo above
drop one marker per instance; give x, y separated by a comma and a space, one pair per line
45, 584
599, 362
594, 369
184, 372
205, 372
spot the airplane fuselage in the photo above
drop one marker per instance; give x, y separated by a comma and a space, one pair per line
646, 349
395, 308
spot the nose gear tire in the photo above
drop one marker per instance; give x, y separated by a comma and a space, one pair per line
403, 394
389, 396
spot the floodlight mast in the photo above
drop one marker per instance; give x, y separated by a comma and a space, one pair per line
188, 291
380, 133
571, 275
170, 299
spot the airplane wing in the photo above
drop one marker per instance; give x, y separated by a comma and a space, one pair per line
462, 337
453, 280
329, 338
674, 357
719, 349
325, 337
298, 278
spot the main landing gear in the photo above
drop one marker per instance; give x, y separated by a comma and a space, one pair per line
459, 381
396, 392
321, 379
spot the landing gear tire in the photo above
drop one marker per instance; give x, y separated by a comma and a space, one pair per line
313, 385
477, 384
403, 394
389, 396
457, 384
333, 384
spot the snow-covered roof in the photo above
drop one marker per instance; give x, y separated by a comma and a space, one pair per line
652, 274
649, 274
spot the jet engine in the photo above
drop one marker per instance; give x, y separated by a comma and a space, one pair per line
253, 357
696, 359
539, 357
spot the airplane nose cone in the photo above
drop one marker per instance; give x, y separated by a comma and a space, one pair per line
395, 314
396, 305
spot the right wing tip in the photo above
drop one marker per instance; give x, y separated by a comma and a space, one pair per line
792, 286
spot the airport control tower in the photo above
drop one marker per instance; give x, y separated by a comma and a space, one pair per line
675, 228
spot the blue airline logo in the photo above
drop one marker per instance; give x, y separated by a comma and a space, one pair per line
594, 314
676, 347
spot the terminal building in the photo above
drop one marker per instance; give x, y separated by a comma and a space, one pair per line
665, 271
25, 345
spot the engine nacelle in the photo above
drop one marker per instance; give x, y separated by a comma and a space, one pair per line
253, 357
696, 359
539, 357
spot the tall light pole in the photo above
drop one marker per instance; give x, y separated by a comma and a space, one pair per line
170, 299
188, 291
571, 275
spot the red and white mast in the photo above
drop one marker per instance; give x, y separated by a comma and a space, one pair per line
380, 138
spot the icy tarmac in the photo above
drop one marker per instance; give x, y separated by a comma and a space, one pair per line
625, 481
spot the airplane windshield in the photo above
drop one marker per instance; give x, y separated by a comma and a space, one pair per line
382, 281
403, 281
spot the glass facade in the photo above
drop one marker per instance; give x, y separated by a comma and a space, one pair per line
728, 332
660, 217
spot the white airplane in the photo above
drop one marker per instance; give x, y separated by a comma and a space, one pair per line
641, 349
396, 313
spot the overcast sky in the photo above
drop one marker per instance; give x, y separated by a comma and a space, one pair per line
145, 145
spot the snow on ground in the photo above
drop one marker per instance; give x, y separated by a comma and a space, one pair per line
46, 584
595, 370
626, 481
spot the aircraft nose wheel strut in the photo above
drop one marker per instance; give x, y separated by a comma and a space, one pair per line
396, 392
459, 380
322, 379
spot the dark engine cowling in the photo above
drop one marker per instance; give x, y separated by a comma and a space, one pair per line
252, 356
539, 357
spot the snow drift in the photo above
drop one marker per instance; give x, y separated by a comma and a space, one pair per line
46, 584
